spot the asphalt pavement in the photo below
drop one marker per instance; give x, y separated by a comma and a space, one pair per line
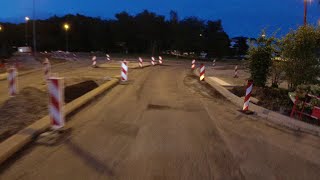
165, 124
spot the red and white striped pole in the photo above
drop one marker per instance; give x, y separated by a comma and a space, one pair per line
193, 66
124, 71
47, 69
153, 61
75, 57
56, 101
12, 80
140, 62
248, 95
94, 61
236, 72
108, 57
202, 72
160, 60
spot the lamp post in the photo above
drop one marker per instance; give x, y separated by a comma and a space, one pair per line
66, 27
27, 19
1, 28
305, 20
34, 28
305, 12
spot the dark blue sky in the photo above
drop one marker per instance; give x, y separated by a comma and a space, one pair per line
239, 17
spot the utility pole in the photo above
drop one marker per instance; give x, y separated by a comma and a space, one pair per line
34, 29
305, 11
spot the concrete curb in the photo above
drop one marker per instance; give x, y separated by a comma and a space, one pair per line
13, 144
264, 113
118, 67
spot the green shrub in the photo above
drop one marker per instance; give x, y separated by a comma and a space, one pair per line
300, 50
260, 59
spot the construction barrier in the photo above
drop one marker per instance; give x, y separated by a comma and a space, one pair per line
202, 72
124, 71
12, 80
306, 107
140, 62
56, 101
193, 66
236, 72
108, 57
248, 95
214, 63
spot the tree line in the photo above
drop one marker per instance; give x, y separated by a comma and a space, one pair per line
145, 32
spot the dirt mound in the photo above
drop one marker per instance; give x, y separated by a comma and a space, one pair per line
271, 98
74, 91
18, 112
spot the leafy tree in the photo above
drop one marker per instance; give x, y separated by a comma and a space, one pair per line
241, 45
300, 49
260, 59
145, 32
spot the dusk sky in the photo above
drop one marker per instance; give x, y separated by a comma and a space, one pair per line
239, 17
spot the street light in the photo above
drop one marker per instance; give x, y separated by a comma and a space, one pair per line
26, 19
1, 28
305, 11
66, 27
34, 28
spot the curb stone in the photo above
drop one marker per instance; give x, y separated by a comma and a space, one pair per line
16, 142
264, 113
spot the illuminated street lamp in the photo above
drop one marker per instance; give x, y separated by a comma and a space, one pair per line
27, 19
1, 28
66, 27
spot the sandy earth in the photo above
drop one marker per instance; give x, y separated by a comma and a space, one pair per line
31, 103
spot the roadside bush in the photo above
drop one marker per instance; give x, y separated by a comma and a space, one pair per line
260, 59
300, 50
277, 72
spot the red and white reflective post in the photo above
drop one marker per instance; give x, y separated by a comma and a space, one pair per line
247, 97
124, 71
153, 61
12, 80
94, 61
160, 60
193, 65
108, 57
202, 72
140, 62
56, 100
46, 69
236, 72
